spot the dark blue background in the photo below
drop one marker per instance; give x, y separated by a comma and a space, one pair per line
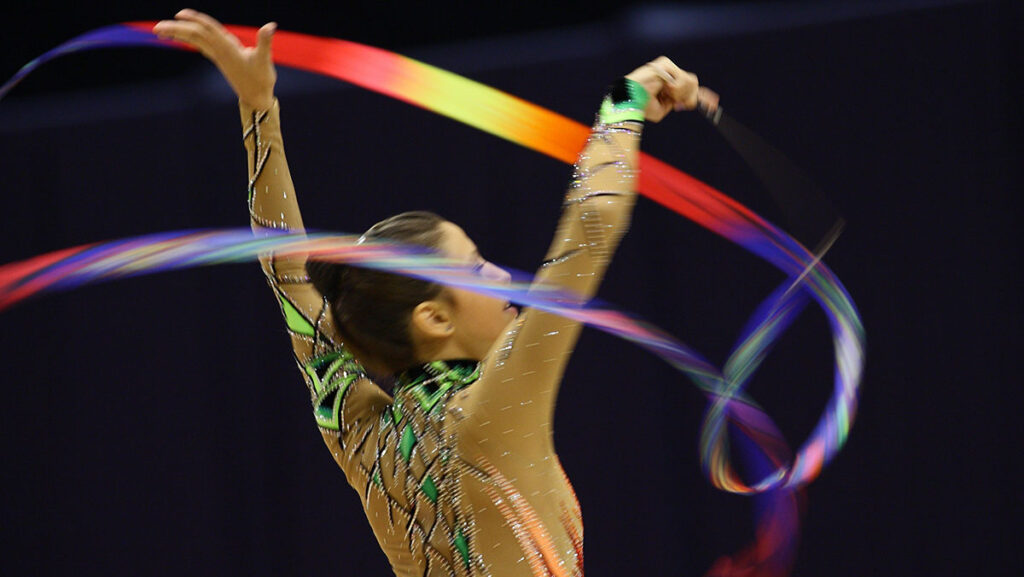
157, 426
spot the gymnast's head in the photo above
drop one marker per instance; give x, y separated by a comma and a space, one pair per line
393, 322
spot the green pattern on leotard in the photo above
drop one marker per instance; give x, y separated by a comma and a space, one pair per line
294, 319
330, 375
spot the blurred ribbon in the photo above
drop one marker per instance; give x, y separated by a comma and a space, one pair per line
780, 476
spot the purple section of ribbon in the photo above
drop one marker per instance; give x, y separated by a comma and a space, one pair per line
115, 36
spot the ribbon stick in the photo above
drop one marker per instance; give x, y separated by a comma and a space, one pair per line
777, 475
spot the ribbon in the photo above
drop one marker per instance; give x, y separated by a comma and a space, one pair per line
542, 130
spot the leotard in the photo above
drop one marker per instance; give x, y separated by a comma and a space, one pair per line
457, 472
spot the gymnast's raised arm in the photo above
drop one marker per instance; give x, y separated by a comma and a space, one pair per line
515, 398
273, 205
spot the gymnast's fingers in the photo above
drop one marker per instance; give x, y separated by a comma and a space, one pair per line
186, 33
181, 31
264, 40
680, 88
200, 31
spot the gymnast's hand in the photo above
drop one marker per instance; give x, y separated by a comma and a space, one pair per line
671, 88
250, 71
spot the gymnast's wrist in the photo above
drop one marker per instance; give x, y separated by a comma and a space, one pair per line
250, 105
625, 101
261, 103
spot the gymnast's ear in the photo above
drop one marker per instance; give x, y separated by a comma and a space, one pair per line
431, 320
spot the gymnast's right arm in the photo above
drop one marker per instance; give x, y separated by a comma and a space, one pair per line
329, 369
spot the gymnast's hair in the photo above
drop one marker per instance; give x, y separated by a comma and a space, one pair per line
371, 309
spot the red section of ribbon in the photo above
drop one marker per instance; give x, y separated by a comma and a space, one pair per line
376, 70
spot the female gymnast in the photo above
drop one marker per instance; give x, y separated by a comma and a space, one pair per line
456, 466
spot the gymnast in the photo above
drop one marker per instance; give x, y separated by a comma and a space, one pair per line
455, 465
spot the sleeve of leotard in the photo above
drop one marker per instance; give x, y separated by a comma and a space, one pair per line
520, 381
330, 371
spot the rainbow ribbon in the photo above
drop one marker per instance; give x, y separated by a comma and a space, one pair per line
542, 130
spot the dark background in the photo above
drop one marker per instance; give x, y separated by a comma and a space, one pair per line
157, 426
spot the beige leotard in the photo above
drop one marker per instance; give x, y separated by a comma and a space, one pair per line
457, 472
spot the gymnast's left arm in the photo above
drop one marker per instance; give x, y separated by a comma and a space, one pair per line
517, 392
